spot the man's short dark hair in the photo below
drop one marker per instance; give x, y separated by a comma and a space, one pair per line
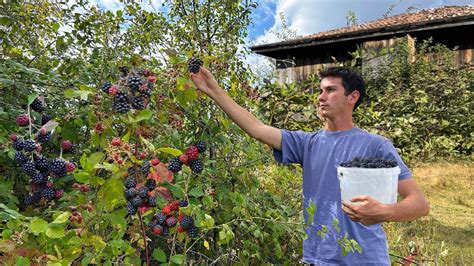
351, 81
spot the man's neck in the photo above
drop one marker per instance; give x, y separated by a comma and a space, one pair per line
339, 125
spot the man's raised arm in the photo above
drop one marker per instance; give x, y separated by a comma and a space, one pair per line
206, 82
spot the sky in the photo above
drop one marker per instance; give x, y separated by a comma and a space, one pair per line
306, 17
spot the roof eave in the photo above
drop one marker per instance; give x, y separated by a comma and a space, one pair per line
373, 33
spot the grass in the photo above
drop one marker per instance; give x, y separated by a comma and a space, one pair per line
446, 236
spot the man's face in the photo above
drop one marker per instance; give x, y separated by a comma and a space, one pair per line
332, 101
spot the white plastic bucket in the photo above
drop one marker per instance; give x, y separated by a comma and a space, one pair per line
378, 183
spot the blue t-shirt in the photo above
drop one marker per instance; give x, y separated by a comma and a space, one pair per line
319, 154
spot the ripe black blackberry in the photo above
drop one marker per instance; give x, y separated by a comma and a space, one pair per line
150, 184
193, 232
29, 145
37, 105
152, 201
175, 165
131, 209
143, 192
57, 166
20, 158
160, 218
146, 93
29, 168
194, 64
152, 224
43, 138
121, 107
33, 198
196, 166
121, 97
71, 150
124, 70
183, 203
18, 145
130, 182
137, 201
48, 193
145, 168
138, 103
134, 83
42, 163
44, 119
130, 193
39, 178
201, 146
105, 88
187, 222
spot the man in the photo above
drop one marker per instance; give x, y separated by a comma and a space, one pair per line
319, 153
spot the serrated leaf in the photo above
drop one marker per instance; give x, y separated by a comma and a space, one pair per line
32, 97
144, 115
196, 192
172, 151
178, 259
55, 232
62, 218
38, 226
159, 255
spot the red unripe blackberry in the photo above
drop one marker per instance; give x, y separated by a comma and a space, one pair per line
155, 162
70, 166
99, 128
157, 230
116, 142
66, 145
174, 206
113, 90
183, 158
181, 216
71, 218
192, 152
13, 137
166, 210
170, 221
181, 229
152, 79
22, 120
194, 64
59, 193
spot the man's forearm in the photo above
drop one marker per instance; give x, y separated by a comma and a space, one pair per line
410, 208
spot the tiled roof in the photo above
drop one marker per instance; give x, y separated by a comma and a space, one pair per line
405, 20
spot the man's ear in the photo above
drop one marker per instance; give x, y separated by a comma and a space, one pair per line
354, 96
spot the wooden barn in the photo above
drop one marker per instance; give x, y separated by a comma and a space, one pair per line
298, 58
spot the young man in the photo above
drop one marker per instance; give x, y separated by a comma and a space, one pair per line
319, 153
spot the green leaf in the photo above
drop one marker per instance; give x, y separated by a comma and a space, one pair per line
190, 95
159, 255
38, 226
178, 259
62, 218
111, 193
22, 261
172, 151
177, 192
144, 115
32, 97
196, 192
126, 138
93, 160
82, 177
55, 232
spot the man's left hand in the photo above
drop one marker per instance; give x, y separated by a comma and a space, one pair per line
369, 211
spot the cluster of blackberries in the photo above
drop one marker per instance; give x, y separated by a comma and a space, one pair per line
169, 217
194, 64
138, 195
369, 162
189, 158
38, 106
135, 94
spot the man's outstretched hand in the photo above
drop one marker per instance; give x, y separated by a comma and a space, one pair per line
368, 212
205, 81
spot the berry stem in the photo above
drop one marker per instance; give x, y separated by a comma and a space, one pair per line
144, 239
